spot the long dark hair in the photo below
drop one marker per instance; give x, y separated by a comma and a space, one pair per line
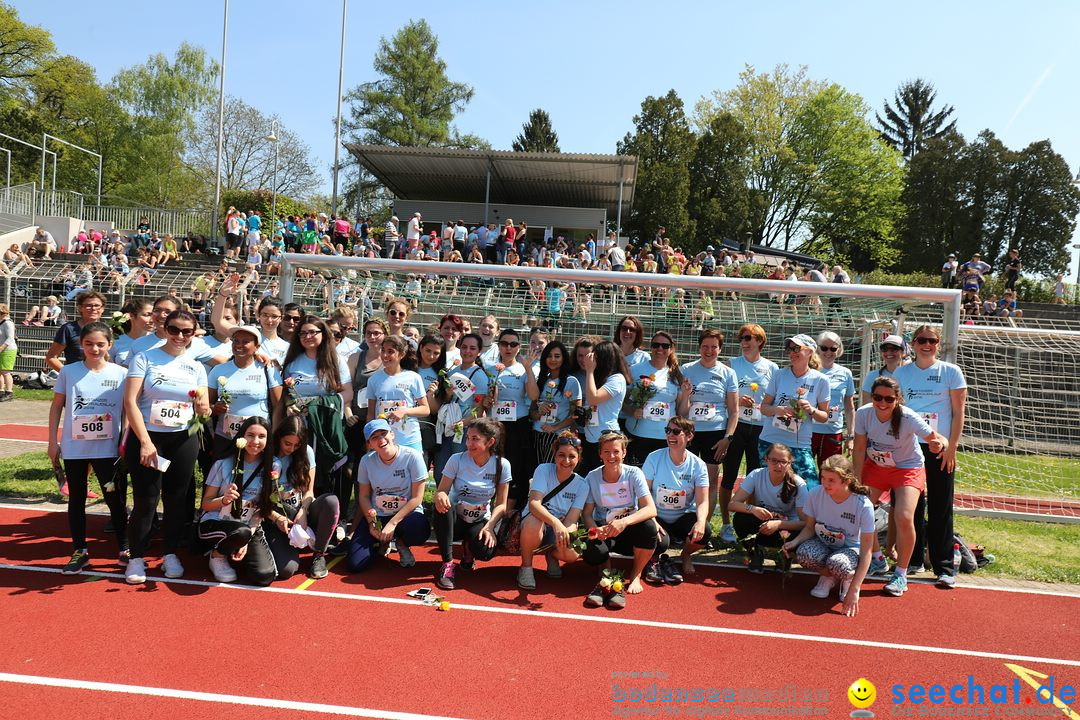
639, 331
492, 429
609, 361
589, 341
790, 487
408, 357
326, 358
897, 410
438, 366
479, 344
265, 463
564, 371
131, 308
299, 473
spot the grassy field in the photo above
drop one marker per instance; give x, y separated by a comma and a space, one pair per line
1040, 476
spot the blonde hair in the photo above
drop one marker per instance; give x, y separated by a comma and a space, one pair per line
5, 311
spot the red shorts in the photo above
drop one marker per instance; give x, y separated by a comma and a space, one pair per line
883, 479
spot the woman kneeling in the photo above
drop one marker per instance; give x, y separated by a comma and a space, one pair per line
769, 505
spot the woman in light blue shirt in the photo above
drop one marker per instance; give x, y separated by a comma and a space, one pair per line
834, 435
606, 381
660, 378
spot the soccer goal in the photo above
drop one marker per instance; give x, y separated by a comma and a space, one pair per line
1020, 451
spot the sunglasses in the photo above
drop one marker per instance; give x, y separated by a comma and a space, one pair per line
826, 348
673, 431
570, 441
309, 333
661, 346
927, 340
888, 399
396, 313
507, 343
792, 347
746, 338
339, 335
186, 332
290, 318
628, 329
890, 348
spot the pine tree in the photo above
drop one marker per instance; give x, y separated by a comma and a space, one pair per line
537, 135
912, 123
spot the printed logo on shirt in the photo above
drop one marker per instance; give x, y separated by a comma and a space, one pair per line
849, 516
110, 384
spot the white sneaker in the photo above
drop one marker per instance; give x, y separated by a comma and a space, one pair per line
843, 589
823, 588
339, 533
221, 569
172, 566
946, 580
136, 571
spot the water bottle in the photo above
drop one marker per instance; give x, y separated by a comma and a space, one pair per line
956, 559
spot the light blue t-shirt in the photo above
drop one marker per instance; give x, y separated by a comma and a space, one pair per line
563, 399
708, 398
120, 352
275, 348
874, 375
164, 401
761, 372
474, 486
616, 499
308, 384
247, 389
221, 476
606, 415
841, 387
93, 409
389, 487
839, 525
929, 392
887, 450
574, 495
673, 485
767, 495
491, 356
510, 384
390, 391
660, 408
638, 356
783, 386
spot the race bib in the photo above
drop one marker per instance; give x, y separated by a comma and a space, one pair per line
790, 425
463, 387
92, 427
384, 407
672, 499
834, 415
827, 536
471, 513
656, 411
389, 504
594, 418
883, 458
614, 514
703, 412
230, 424
248, 512
170, 413
291, 498
931, 420
750, 414
551, 416
505, 411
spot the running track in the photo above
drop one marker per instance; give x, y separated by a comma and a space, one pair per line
357, 646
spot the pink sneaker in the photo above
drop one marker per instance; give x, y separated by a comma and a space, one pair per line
445, 578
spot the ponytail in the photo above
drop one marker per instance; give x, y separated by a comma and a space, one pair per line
841, 465
897, 410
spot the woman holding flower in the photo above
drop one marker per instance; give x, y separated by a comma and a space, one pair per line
556, 499
398, 394
835, 434
657, 389
606, 378
166, 389
232, 512
242, 387
620, 509
680, 489
291, 493
90, 396
471, 498
769, 505
470, 398
795, 398
511, 407
555, 396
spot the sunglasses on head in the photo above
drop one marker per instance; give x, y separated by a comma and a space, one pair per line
890, 399
186, 332
927, 340
571, 441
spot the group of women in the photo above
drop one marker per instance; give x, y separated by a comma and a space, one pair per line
586, 451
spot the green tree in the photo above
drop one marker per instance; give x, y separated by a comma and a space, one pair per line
664, 144
720, 200
912, 122
933, 206
22, 50
537, 135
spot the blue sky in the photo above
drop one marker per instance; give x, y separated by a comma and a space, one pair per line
1008, 66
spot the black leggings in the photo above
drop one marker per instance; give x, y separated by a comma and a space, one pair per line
745, 443
78, 477
640, 448
641, 536
449, 527
519, 451
934, 516
676, 532
229, 536
149, 485
746, 524
322, 517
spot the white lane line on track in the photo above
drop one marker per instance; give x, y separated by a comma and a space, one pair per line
588, 618
728, 566
215, 697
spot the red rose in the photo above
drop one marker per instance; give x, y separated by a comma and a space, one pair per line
594, 533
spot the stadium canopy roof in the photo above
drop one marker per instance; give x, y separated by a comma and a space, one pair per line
501, 176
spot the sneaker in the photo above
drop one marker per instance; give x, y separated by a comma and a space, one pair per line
342, 548
124, 557
339, 534
554, 569
526, 579
221, 570
653, 573
877, 567
823, 588
727, 534
843, 589
136, 571
757, 560
172, 566
445, 578
897, 585
595, 598
671, 571
79, 560
64, 490
91, 495
946, 580
467, 559
318, 570
616, 600
405, 556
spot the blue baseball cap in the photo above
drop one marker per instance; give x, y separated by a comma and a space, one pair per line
803, 340
374, 426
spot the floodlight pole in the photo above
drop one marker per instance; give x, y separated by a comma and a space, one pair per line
220, 129
272, 137
337, 133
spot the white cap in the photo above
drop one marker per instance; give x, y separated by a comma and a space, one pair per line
248, 329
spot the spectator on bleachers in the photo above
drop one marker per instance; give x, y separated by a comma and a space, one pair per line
82, 280
8, 351
16, 259
42, 245
989, 305
169, 250
1006, 306
46, 314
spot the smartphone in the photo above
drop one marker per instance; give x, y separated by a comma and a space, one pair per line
162, 463
419, 592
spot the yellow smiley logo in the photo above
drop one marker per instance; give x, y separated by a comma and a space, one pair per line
862, 693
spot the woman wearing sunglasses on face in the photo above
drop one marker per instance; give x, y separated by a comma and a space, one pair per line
797, 396
834, 435
937, 391
511, 408
680, 490
397, 317
291, 317
556, 499
165, 388
629, 335
645, 422
887, 458
892, 359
